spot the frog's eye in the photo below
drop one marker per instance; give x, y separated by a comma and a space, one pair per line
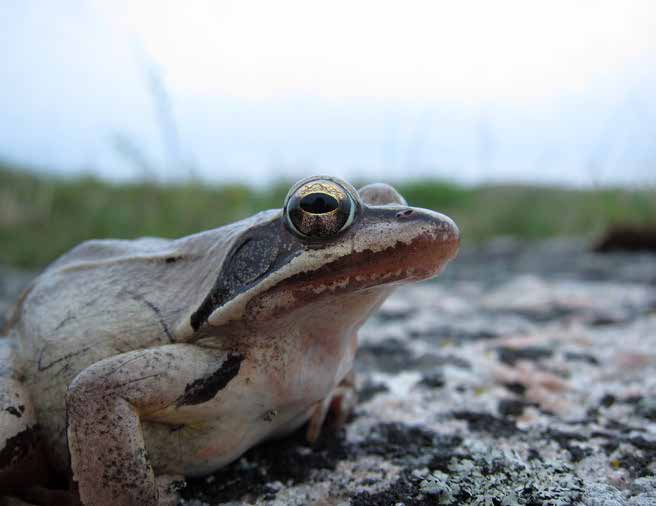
319, 208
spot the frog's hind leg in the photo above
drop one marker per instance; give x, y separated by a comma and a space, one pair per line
22, 462
18, 430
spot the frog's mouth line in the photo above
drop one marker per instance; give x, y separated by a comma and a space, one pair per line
422, 258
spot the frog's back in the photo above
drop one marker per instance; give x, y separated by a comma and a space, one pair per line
107, 297
96, 300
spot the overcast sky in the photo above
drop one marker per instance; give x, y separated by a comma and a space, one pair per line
469, 90
466, 51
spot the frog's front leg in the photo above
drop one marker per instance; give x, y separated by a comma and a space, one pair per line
105, 405
341, 402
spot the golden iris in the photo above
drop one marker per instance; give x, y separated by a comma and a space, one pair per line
319, 208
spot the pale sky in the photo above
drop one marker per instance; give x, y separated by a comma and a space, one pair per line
411, 49
553, 91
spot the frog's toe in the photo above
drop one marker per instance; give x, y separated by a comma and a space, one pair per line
340, 403
343, 404
319, 412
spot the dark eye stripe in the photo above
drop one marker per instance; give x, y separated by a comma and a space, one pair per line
319, 203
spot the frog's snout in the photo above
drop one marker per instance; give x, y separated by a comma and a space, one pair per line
435, 241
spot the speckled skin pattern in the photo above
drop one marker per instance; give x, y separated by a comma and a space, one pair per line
137, 360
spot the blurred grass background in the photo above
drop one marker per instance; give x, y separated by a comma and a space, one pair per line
43, 216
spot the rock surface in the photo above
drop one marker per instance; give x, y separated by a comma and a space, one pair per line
525, 375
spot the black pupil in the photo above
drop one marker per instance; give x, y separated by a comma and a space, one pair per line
319, 203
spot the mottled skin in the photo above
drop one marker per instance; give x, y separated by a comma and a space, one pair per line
163, 358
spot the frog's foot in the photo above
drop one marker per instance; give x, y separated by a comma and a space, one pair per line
340, 403
168, 486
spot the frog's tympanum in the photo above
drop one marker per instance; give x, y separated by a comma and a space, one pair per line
127, 364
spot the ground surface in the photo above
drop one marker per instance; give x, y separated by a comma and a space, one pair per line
525, 375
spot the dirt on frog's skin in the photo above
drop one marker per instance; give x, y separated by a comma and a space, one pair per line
525, 376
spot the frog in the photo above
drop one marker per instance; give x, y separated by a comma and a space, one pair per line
127, 365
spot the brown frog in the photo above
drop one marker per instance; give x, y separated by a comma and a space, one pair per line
129, 363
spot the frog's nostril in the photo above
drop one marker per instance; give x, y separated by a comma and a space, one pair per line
405, 214
319, 203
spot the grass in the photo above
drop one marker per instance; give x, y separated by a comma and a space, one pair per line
41, 216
